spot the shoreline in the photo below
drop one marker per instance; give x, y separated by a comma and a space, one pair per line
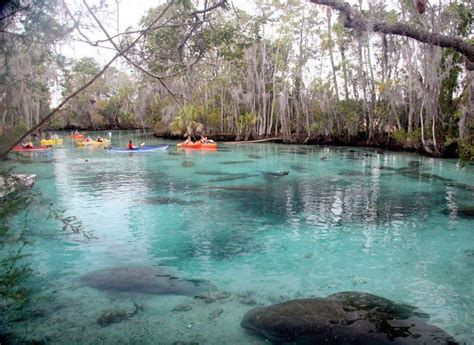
449, 152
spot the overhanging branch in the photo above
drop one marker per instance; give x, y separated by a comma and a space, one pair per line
354, 20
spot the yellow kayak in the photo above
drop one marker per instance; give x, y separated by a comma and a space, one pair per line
104, 142
50, 142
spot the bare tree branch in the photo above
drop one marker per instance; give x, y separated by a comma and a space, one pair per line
48, 117
122, 53
354, 20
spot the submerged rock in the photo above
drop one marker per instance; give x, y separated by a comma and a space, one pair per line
109, 317
182, 307
144, 280
344, 318
216, 313
211, 297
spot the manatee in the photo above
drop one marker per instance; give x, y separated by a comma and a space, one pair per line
345, 318
242, 188
274, 173
144, 280
231, 177
235, 162
166, 201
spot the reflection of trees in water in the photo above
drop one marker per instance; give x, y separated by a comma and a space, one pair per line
362, 200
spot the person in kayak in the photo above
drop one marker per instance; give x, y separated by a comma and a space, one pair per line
28, 145
99, 139
131, 146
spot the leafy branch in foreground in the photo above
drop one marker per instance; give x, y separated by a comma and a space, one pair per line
12, 243
70, 223
15, 231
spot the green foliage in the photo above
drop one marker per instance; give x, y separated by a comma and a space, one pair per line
349, 111
245, 123
402, 137
186, 122
464, 17
466, 151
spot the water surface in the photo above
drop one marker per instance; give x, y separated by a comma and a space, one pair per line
342, 219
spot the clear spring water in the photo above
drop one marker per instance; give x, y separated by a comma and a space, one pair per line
340, 220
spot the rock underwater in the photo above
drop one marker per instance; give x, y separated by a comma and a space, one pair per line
344, 318
144, 280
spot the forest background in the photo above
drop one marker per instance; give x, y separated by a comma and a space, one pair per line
396, 74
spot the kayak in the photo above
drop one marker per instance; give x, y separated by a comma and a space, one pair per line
93, 142
198, 145
77, 136
49, 142
34, 148
139, 149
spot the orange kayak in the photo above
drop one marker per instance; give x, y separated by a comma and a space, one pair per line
76, 136
198, 145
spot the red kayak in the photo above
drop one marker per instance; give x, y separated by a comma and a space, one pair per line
77, 136
34, 148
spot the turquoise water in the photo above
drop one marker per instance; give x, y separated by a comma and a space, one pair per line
341, 220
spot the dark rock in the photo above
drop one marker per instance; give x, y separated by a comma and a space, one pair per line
216, 313
182, 307
211, 297
344, 318
144, 280
109, 317
247, 301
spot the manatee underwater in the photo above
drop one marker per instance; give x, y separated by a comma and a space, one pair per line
354, 318
144, 280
